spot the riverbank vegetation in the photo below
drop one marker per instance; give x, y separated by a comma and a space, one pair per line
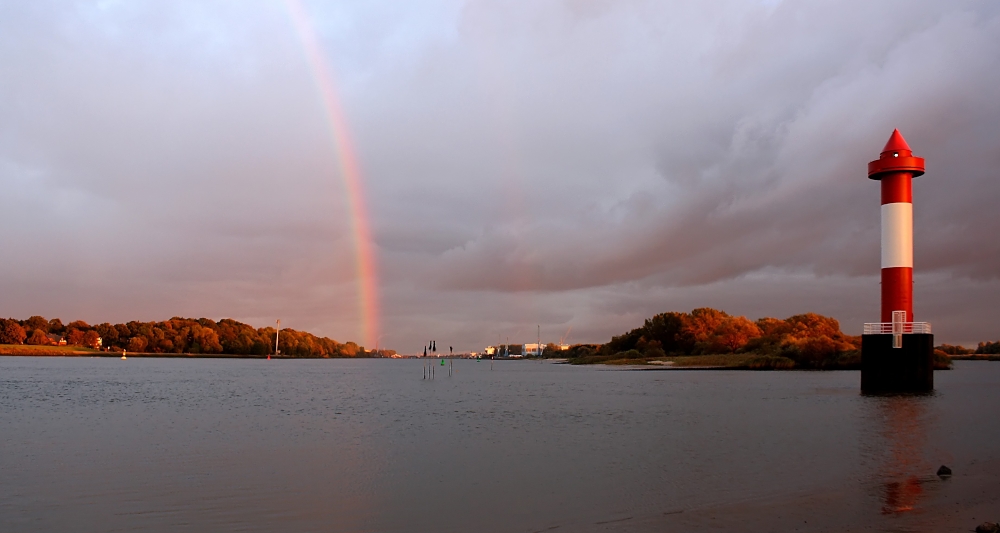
174, 336
708, 337
985, 351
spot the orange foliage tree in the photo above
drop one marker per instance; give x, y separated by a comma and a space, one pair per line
38, 337
809, 340
11, 332
183, 335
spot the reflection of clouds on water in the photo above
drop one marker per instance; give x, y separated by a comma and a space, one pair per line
896, 449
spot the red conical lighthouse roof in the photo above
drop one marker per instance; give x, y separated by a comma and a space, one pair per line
896, 143
896, 157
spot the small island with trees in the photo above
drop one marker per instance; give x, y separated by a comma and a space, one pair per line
709, 338
175, 337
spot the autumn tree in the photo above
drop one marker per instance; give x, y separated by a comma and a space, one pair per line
205, 339
350, 349
36, 322
108, 333
91, 339
734, 332
773, 326
702, 322
988, 348
56, 326
38, 337
11, 332
668, 330
137, 344
74, 337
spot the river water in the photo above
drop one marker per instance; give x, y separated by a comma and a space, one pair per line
161, 445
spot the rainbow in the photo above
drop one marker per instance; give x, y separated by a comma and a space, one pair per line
350, 171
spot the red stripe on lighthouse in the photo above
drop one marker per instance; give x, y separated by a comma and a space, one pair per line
897, 187
897, 292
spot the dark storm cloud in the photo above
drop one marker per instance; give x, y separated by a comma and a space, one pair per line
769, 166
561, 163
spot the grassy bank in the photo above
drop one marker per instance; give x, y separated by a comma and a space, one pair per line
37, 350
739, 361
747, 361
28, 350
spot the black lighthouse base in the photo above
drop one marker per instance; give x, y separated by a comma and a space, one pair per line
885, 369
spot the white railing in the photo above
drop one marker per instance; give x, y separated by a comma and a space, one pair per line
874, 328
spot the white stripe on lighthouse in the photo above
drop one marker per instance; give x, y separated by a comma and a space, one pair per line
897, 235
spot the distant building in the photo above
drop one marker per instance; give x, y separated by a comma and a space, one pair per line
56, 339
513, 351
563, 347
533, 349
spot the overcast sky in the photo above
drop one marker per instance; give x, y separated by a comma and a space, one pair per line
562, 163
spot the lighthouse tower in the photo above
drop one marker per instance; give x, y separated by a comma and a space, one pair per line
897, 353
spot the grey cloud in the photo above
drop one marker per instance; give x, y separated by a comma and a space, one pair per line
561, 163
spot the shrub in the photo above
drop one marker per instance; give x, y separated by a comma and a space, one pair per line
655, 352
630, 354
942, 361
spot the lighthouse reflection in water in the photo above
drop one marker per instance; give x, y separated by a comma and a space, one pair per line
902, 471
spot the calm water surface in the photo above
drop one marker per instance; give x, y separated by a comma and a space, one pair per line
368, 445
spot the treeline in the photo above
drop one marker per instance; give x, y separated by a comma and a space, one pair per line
988, 348
177, 335
801, 341
984, 348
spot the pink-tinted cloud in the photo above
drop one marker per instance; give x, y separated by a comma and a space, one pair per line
554, 162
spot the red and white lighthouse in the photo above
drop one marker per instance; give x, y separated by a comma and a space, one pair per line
895, 168
897, 353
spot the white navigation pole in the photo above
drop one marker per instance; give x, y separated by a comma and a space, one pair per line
276, 352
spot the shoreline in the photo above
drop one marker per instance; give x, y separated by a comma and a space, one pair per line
53, 351
113, 355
